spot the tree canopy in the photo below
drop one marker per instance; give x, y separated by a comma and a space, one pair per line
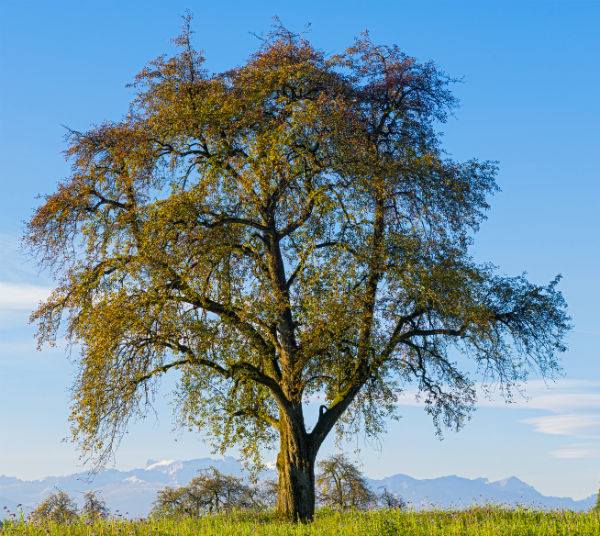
288, 229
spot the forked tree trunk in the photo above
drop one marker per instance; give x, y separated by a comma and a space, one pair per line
296, 471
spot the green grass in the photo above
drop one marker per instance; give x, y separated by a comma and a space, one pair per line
474, 522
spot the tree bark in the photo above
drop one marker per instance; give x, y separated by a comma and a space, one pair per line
296, 471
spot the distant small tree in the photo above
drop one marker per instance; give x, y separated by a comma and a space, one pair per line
597, 505
221, 492
391, 501
94, 507
266, 493
172, 502
208, 493
342, 486
58, 508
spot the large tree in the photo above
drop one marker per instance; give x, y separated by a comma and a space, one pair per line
286, 230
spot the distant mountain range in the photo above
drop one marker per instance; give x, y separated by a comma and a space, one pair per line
131, 493
458, 492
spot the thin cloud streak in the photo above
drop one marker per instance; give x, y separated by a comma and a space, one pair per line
560, 397
585, 451
574, 407
21, 296
567, 425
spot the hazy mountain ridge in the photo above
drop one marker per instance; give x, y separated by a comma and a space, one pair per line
132, 492
459, 492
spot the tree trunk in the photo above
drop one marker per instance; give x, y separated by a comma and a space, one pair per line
296, 469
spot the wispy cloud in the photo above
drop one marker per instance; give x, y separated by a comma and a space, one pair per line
559, 402
574, 407
563, 396
572, 410
21, 288
27, 347
583, 451
567, 425
21, 296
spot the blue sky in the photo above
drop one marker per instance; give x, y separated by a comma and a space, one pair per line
529, 100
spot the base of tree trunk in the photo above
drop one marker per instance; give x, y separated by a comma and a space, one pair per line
296, 486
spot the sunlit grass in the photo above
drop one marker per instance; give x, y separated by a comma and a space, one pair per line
474, 522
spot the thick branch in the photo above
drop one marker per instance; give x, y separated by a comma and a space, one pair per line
236, 370
257, 414
225, 219
329, 416
459, 332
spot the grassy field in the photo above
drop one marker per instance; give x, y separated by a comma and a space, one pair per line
474, 522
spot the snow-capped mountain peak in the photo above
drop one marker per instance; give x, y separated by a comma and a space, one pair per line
135, 490
155, 464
